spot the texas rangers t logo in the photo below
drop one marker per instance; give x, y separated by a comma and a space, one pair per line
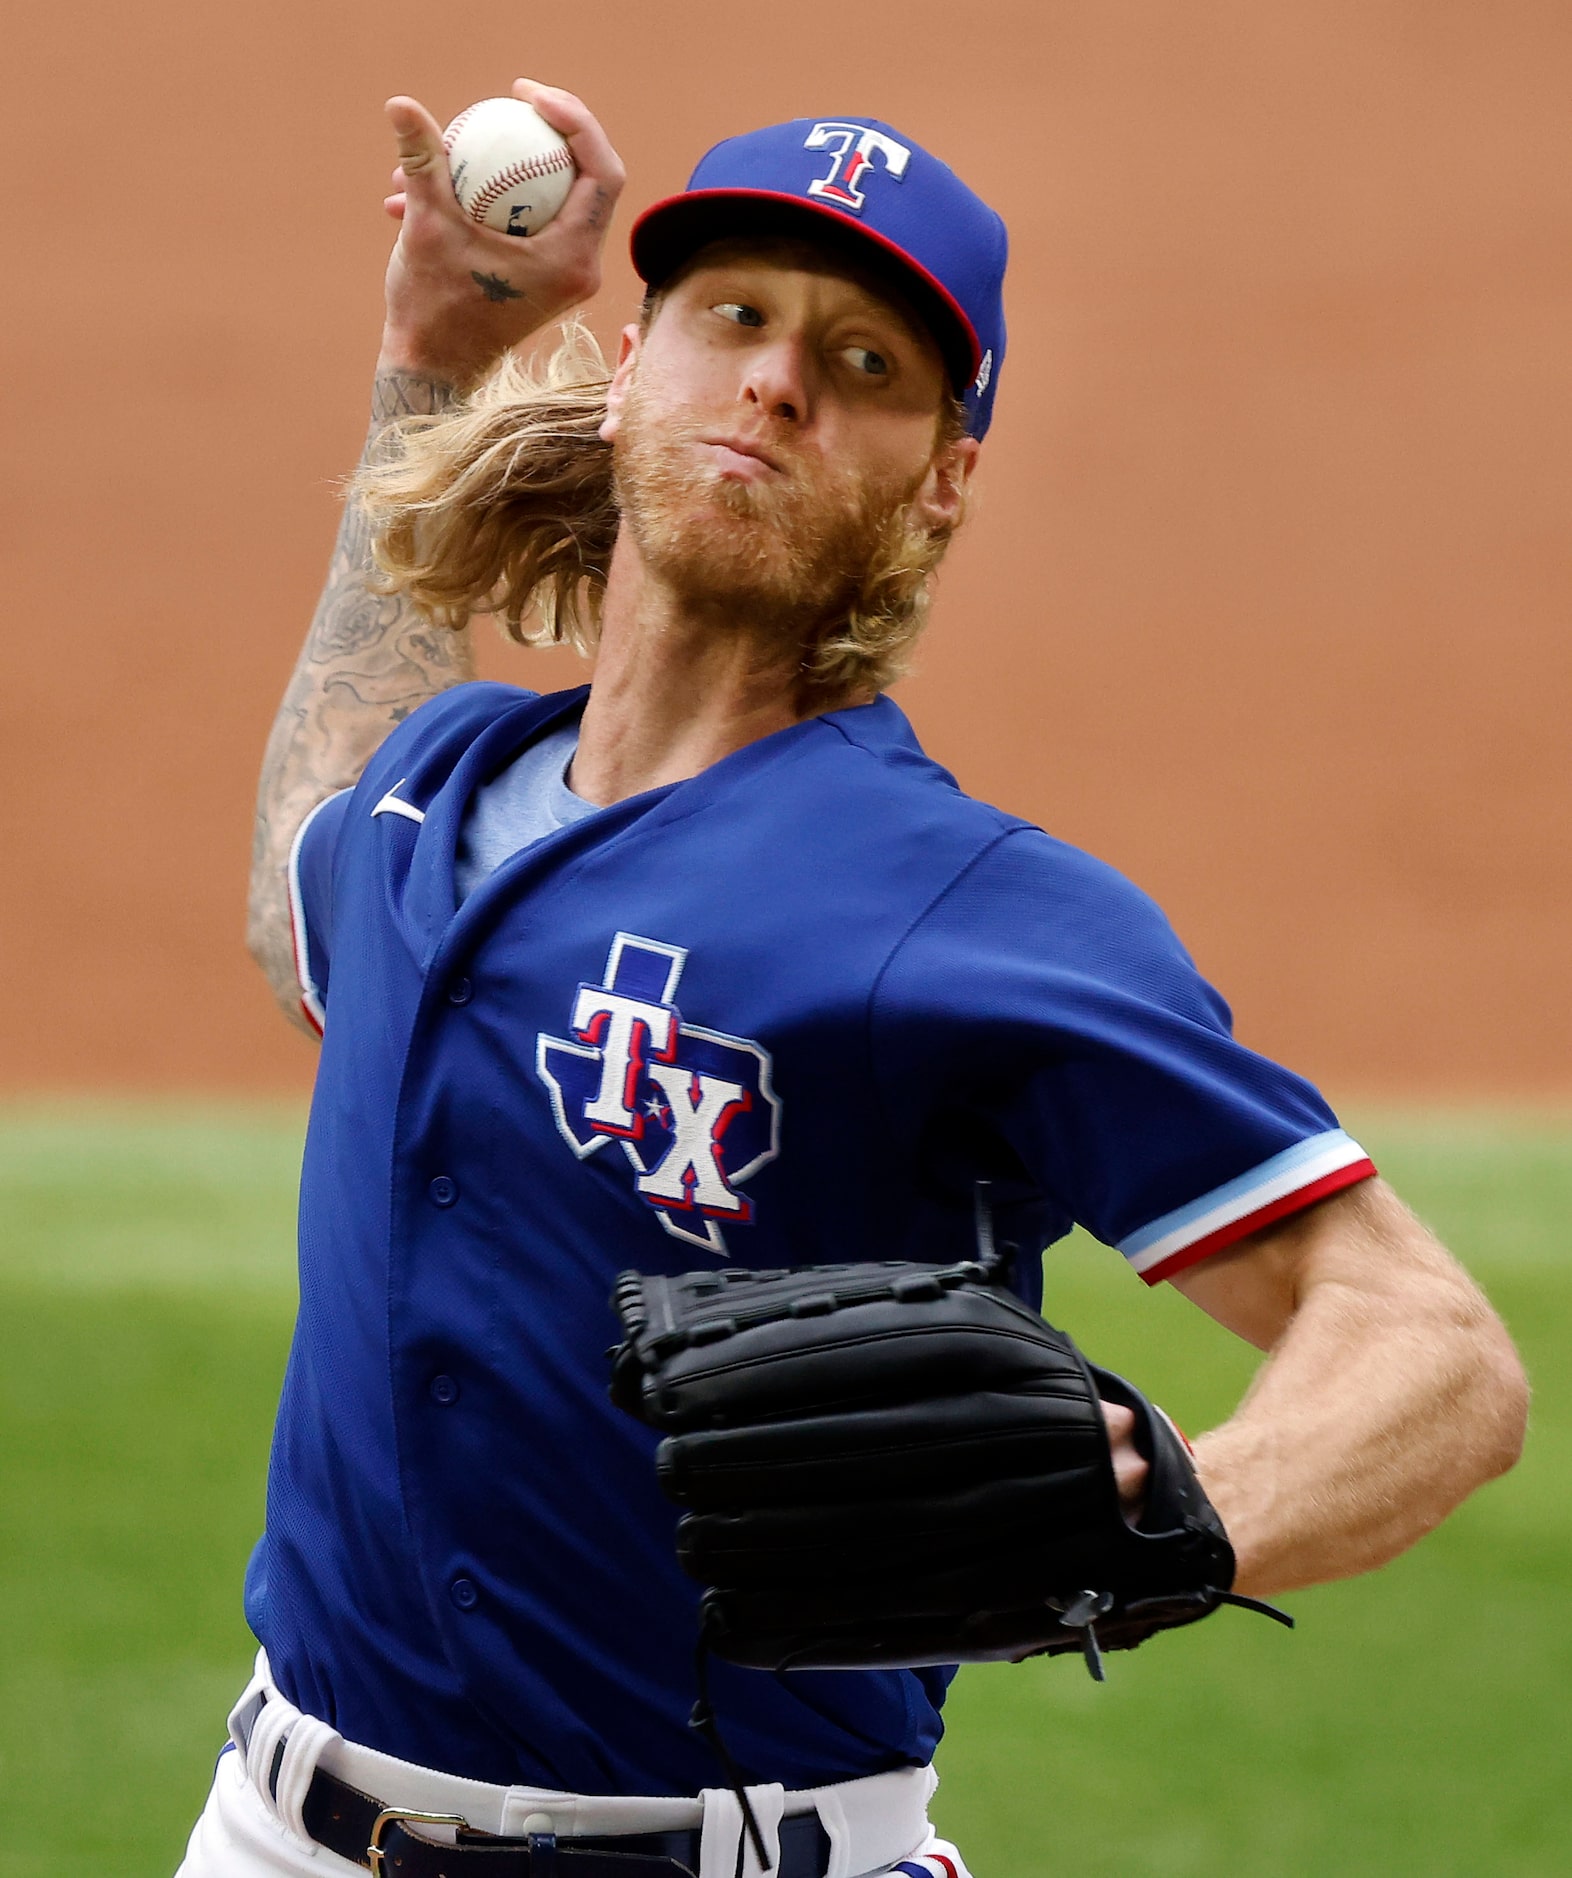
693, 1109
855, 147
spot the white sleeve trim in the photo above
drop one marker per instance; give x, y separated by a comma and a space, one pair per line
310, 998
1306, 1164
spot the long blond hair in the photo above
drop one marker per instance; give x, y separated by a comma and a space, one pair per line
505, 504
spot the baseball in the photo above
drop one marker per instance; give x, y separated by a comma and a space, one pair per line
511, 170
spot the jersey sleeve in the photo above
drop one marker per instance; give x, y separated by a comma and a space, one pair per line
311, 903
1045, 991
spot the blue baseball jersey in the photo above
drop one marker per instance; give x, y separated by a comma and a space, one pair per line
787, 1011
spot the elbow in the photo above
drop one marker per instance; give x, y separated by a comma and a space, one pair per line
256, 931
271, 942
1503, 1396
264, 934
1484, 1402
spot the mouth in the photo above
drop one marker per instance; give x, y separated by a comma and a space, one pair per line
735, 456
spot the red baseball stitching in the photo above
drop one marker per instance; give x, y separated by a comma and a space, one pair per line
457, 125
522, 172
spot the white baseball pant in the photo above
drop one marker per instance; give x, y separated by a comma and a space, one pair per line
251, 1826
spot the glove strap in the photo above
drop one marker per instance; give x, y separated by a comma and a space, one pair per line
995, 1260
1255, 1604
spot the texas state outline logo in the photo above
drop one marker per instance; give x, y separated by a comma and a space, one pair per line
692, 1109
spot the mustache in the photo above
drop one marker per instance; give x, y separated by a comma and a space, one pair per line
772, 442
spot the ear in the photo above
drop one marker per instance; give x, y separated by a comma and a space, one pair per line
617, 391
941, 497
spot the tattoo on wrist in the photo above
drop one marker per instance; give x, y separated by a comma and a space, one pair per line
408, 394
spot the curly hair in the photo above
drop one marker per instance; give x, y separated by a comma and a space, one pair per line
506, 504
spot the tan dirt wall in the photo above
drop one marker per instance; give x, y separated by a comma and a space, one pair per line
1266, 600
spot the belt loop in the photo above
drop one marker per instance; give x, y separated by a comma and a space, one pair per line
283, 1748
265, 1745
832, 1816
303, 1748
243, 1716
725, 1832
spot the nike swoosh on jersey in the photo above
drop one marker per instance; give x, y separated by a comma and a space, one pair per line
392, 805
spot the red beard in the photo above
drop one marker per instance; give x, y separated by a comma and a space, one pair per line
792, 550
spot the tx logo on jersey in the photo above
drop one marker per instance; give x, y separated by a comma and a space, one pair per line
692, 1109
855, 147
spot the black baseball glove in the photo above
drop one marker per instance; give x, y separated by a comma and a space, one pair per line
899, 1464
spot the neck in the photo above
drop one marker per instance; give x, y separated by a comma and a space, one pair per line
679, 684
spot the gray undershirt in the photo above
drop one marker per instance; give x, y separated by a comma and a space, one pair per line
522, 804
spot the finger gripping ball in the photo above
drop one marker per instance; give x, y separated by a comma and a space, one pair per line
511, 171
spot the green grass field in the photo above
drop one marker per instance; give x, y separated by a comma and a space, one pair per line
1414, 1724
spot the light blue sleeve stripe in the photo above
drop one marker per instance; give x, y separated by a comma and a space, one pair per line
1313, 1148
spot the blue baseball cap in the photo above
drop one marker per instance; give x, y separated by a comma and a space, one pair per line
858, 182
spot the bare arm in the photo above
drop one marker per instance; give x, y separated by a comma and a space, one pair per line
1391, 1391
368, 660
458, 297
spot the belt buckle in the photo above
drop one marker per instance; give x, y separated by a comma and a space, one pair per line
397, 1815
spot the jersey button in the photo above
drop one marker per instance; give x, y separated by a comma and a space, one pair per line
463, 1593
460, 991
444, 1390
443, 1190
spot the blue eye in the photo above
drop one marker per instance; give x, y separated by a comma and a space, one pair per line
866, 360
740, 314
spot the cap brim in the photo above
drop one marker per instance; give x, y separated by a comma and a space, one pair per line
671, 232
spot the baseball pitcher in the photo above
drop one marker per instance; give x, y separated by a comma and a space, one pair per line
698, 1015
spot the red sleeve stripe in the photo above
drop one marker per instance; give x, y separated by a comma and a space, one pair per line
1305, 1170
1268, 1215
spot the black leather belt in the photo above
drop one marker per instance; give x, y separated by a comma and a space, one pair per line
385, 1840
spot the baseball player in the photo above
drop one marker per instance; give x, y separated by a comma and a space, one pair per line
706, 965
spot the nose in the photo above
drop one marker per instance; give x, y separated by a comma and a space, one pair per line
778, 381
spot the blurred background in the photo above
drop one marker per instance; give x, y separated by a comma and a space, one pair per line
1266, 600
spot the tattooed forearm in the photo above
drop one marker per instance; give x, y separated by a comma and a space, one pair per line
405, 394
368, 661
